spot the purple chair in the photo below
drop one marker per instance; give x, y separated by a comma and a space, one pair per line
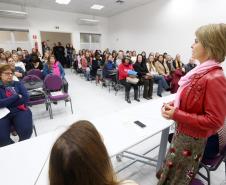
53, 83
196, 182
35, 72
212, 164
34, 85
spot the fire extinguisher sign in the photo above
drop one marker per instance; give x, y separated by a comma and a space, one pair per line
35, 41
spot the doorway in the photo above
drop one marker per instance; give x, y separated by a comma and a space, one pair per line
55, 37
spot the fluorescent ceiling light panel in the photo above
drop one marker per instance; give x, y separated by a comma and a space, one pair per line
63, 1
97, 7
14, 12
90, 20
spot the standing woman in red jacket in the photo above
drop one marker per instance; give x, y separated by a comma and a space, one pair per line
199, 107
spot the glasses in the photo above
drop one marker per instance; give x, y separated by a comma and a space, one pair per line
8, 74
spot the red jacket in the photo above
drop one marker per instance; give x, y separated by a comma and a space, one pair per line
203, 104
123, 70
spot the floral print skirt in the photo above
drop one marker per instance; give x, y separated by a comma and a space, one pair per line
182, 160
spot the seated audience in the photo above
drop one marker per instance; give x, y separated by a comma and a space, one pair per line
86, 62
18, 70
163, 69
35, 63
190, 65
18, 63
144, 76
45, 57
79, 157
54, 67
177, 72
109, 70
158, 79
3, 58
13, 96
123, 70
96, 62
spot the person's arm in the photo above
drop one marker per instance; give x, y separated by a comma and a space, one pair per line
40, 67
122, 73
137, 69
23, 92
62, 73
214, 108
158, 69
21, 64
45, 71
7, 102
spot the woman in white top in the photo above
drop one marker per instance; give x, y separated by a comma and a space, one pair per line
80, 157
17, 62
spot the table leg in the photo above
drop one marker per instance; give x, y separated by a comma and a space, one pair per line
162, 147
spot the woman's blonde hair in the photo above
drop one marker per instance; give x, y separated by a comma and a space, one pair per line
213, 39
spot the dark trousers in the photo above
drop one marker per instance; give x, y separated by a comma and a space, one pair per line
21, 121
128, 87
148, 88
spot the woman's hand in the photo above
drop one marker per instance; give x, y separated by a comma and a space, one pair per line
17, 74
168, 111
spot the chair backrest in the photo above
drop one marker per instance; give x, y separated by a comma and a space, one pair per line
35, 72
53, 82
196, 182
222, 137
32, 82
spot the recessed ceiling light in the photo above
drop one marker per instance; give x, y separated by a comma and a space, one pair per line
97, 7
63, 1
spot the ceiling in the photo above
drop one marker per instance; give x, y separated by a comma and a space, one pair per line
82, 6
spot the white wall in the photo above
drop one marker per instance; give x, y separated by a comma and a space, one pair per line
164, 25
46, 20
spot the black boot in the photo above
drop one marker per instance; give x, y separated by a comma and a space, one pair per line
136, 95
127, 97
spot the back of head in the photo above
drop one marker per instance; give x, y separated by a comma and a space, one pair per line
213, 39
79, 157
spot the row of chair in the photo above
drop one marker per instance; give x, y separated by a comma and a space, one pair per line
45, 91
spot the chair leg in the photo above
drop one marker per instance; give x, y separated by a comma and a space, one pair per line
50, 111
225, 168
208, 176
71, 107
35, 130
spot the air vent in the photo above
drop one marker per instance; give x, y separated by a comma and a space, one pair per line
120, 1
13, 14
90, 22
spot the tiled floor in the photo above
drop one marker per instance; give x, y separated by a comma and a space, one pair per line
91, 101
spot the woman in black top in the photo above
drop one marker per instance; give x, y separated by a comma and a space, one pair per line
144, 76
35, 63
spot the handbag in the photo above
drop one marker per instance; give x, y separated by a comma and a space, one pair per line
148, 77
132, 80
